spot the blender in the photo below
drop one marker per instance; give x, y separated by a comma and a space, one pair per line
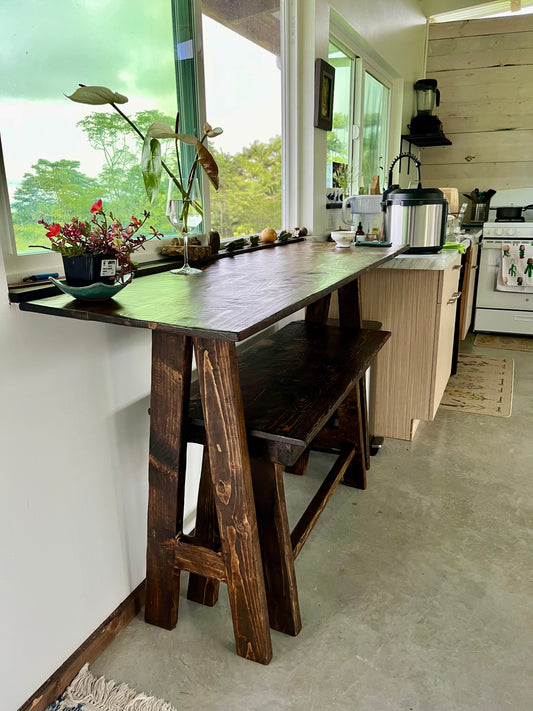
427, 97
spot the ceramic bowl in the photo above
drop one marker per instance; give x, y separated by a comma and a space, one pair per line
343, 238
94, 292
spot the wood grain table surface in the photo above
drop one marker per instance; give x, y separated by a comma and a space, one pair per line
232, 298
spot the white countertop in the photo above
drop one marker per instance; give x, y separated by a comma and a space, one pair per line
433, 262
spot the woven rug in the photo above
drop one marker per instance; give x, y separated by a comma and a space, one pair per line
481, 385
510, 343
87, 693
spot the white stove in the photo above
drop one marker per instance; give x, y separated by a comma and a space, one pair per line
504, 297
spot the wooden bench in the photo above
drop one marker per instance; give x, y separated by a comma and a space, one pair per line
302, 388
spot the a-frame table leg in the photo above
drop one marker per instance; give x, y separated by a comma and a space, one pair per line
218, 378
171, 378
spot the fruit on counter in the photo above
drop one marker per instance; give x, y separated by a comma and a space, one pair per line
301, 231
284, 236
254, 239
268, 235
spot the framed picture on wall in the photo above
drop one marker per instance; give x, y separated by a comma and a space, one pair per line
324, 86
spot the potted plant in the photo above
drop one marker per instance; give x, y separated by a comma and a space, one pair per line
152, 165
98, 249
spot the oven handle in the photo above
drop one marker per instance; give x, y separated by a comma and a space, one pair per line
523, 318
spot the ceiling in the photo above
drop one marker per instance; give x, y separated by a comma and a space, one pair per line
257, 20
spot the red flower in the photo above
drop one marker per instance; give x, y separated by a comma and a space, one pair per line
135, 221
97, 207
54, 230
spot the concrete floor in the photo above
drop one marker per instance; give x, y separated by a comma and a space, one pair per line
416, 594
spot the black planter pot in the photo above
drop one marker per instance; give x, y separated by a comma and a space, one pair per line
82, 271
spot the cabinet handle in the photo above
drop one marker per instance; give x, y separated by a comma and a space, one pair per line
454, 297
457, 266
475, 266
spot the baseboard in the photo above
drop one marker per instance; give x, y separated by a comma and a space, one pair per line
87, 652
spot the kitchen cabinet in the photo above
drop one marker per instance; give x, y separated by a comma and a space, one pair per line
409, 375
468, 289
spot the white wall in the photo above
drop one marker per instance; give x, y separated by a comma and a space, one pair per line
73, 411
435, 7
73, 443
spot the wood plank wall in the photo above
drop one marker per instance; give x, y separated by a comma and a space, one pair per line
484, 69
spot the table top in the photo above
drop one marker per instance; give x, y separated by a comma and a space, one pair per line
232, 298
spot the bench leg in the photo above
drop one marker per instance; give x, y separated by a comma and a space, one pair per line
218, 378
276, 547
169, 402
300, 466
201, 589
364, 415
352, 429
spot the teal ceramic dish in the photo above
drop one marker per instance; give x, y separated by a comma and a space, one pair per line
94, 292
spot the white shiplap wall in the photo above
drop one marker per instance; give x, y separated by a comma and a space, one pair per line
485, 73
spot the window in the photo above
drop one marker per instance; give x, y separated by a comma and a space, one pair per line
375, 126
59, 156
243, 96
340, 159
358, 143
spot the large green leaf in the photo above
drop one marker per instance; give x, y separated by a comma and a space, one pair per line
187, 138
161, 129
97, 95
151, 166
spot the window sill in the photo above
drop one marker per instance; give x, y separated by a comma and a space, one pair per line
41, 290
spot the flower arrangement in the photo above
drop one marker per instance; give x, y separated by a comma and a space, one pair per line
151, 163
101, 235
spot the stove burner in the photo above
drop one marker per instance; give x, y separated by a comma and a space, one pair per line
513, 219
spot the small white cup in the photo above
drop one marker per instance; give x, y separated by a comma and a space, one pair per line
343, 238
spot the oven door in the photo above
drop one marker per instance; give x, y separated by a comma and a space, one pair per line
499, 311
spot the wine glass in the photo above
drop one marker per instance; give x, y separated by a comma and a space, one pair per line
185, 214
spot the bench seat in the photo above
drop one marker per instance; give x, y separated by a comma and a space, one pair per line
293, 381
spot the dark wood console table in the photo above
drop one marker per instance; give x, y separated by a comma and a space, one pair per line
209, 313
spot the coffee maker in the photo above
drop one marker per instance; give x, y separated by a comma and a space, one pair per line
427, 97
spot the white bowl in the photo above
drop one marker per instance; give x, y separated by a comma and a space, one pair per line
343, 238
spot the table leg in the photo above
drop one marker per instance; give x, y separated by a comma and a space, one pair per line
276, 546
351, 417
218, 378
171, 377
202, 589
354, 416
